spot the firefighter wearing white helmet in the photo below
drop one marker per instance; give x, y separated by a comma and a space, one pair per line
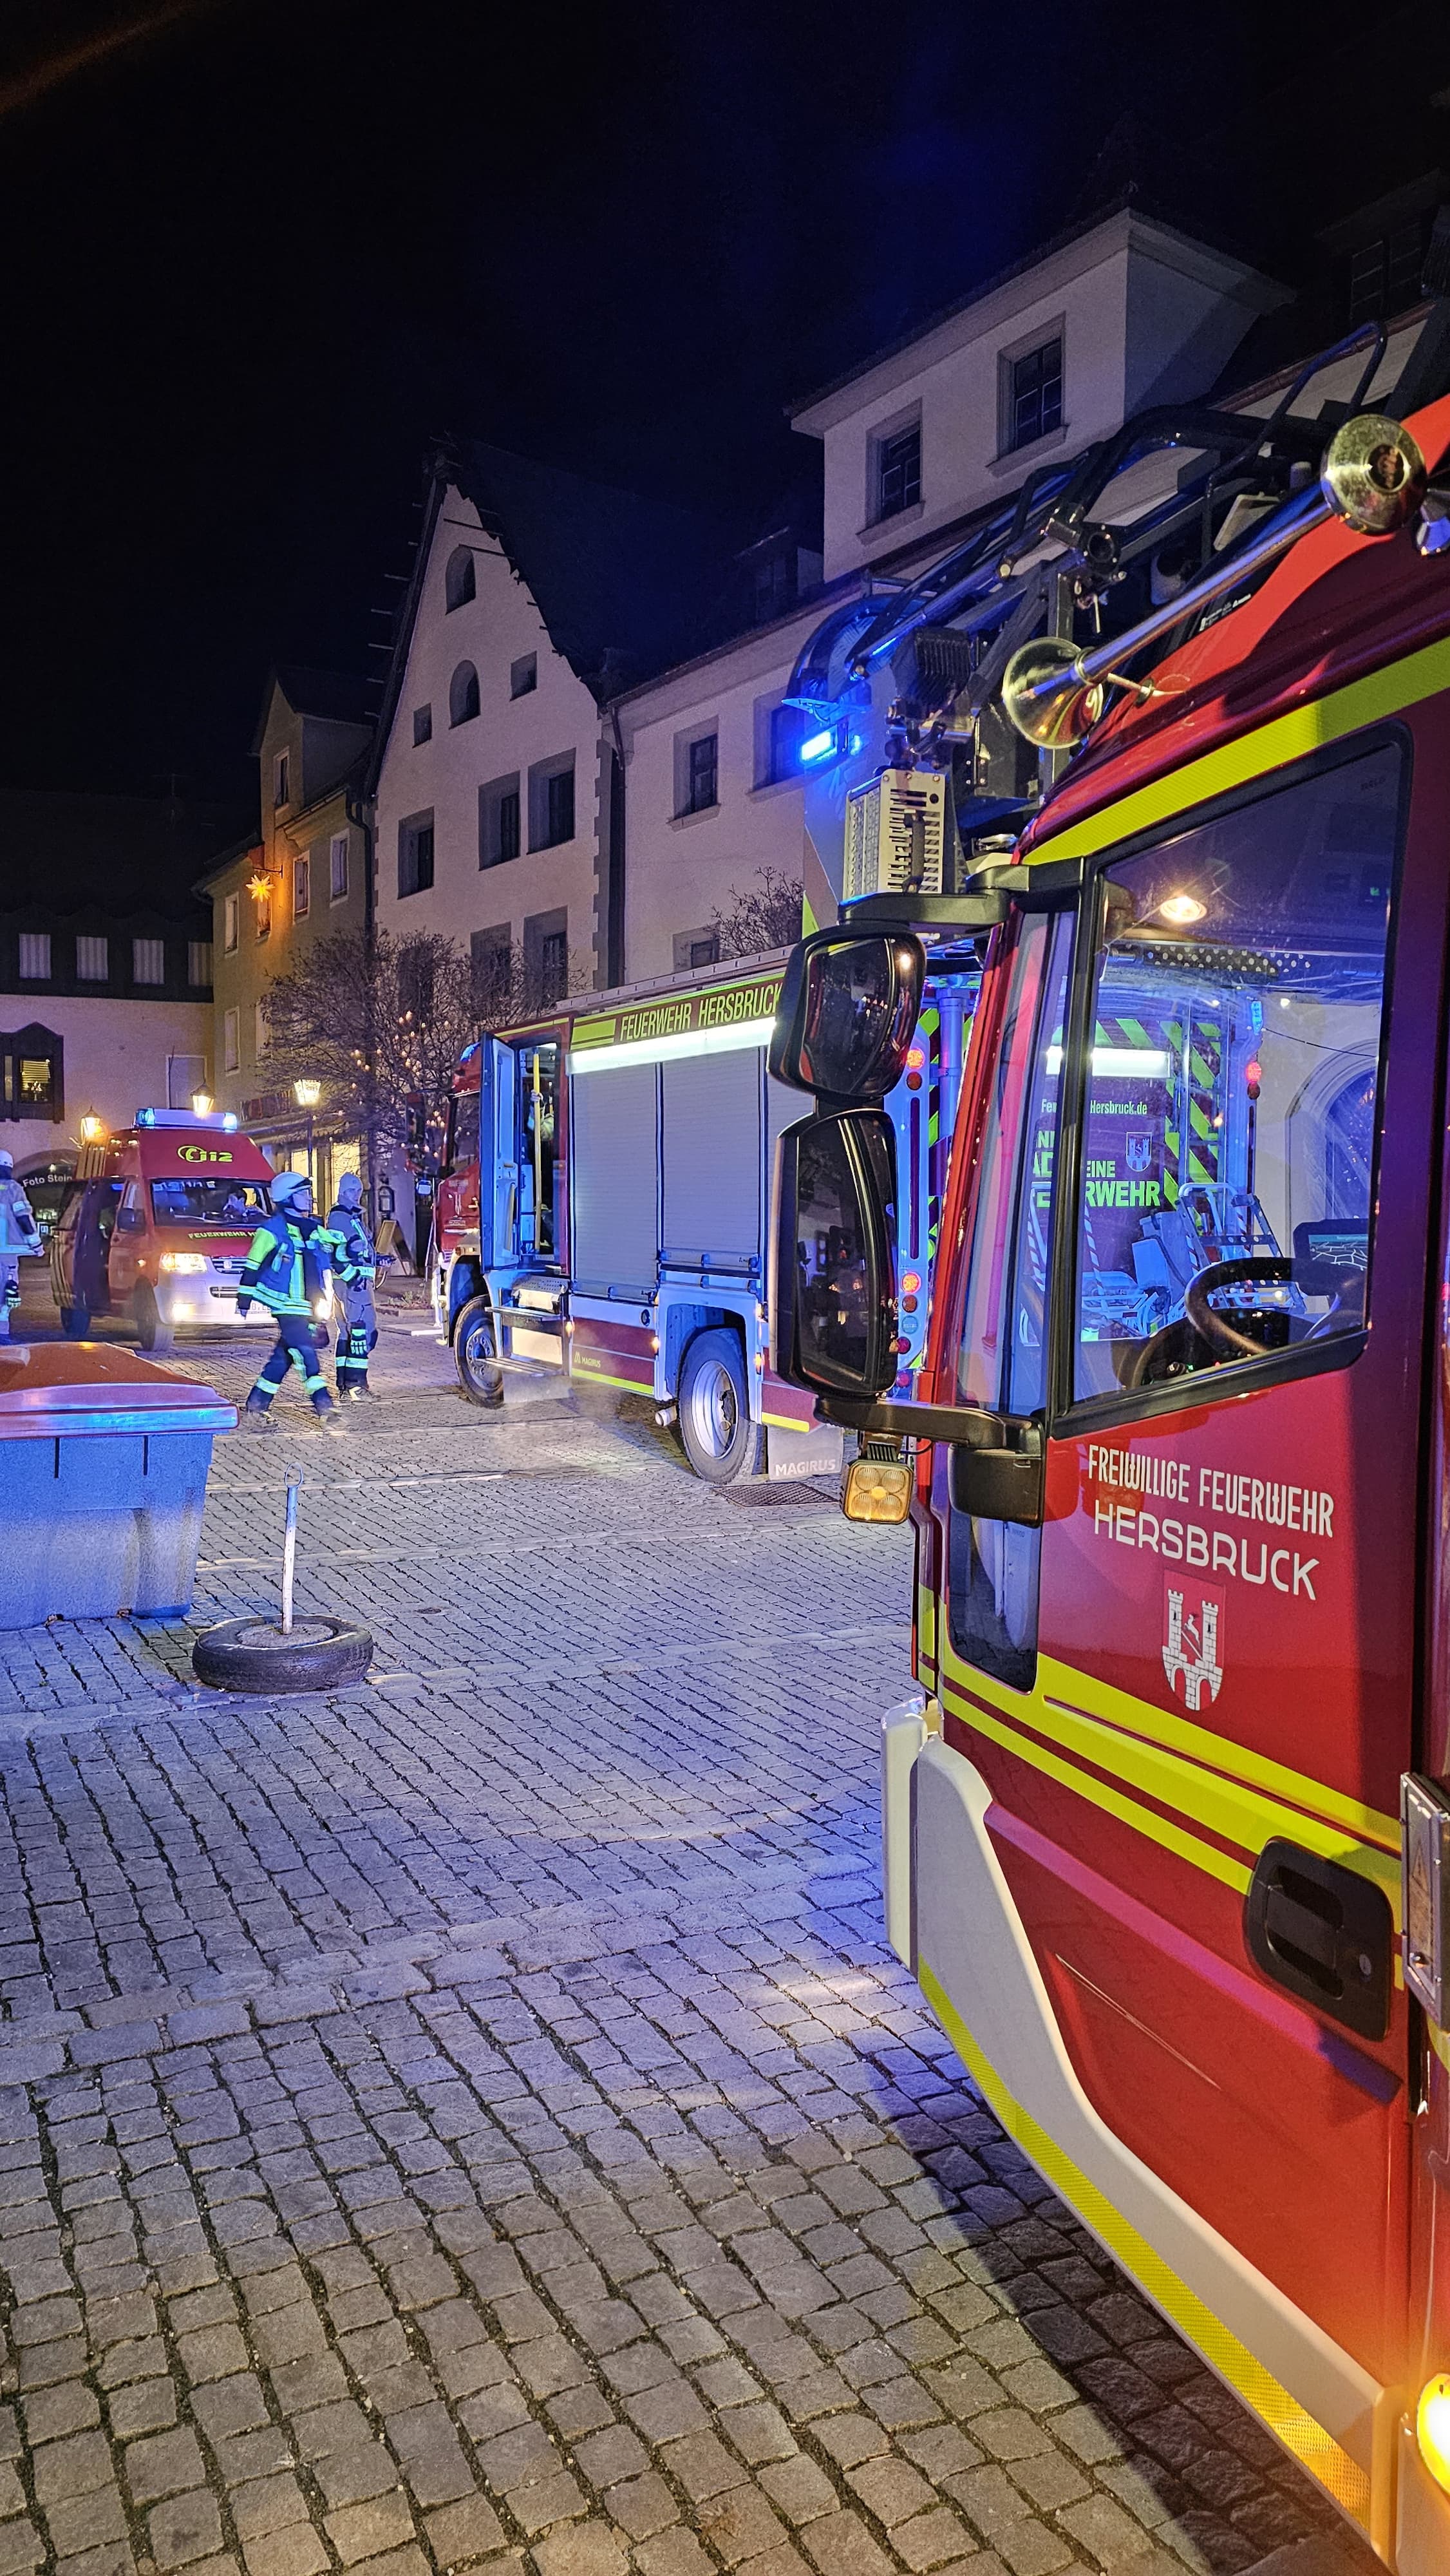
287, 1271
356, 1267
18, 1233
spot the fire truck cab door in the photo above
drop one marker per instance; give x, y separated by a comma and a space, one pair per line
1156, 1853
498, 1153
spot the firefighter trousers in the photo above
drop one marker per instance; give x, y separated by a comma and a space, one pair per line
295, 1341
357, 1331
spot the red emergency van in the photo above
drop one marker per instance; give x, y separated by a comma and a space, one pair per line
1167, 1830
156, 1226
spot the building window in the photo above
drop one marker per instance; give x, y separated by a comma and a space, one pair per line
93, 960
259, 1029
415, 853
231, 1042
422, 724
262, 904
1034, 401
551, 802
198, 965
774, 585
148, 961
702, 774
498, 821
282, 779
415, 983
491, 959
337, 868
301, 888
1384, 275
185, 1076
463, 694
898, 471
696, 948
553, 967
458, 581
231, 923
787, 732
523, 675
32, 1075
35, 956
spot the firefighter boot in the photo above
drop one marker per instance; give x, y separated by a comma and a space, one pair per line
257, 1412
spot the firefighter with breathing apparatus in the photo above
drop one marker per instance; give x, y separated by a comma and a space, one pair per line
356, 1265
287, 1271
18, 1233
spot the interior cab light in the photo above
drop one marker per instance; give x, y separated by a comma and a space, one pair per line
1181, 909
1432, 2427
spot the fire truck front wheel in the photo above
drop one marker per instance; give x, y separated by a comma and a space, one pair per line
474, 1354
721, 1441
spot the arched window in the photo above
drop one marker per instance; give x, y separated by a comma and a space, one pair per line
458, 579
463, 694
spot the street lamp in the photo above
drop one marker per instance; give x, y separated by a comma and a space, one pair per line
201, 1104
307, 1094
92, 1128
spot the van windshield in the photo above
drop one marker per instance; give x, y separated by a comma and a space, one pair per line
235, 1204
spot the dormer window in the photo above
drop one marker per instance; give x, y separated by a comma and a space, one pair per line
898, 470
458, 578
1384, 274
1033, 393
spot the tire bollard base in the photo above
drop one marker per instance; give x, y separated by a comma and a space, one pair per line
257, 1655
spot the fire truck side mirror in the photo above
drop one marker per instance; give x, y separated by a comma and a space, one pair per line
833, 1286
847, 1012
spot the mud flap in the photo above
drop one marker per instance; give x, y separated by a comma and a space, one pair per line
816, 1451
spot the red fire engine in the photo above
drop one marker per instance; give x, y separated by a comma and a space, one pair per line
1166, 1831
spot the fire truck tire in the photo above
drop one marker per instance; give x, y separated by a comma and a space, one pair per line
720, 1440
473, 1354
253, 1655
155, 1332
75, 1322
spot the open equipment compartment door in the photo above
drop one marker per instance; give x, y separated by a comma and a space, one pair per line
1156, 1850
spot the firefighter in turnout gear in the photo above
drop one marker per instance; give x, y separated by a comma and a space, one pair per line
355, 1268
18, 1233
287, 1271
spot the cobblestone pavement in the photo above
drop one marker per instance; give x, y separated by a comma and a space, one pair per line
473, 2117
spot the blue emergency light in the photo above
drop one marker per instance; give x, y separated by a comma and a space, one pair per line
226, 1119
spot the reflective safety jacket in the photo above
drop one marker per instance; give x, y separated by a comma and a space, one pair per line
287, 1267
356, 1259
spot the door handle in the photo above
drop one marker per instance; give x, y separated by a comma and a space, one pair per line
999, 1472
1324, 1933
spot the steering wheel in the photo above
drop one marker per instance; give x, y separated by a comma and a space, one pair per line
1219, 1331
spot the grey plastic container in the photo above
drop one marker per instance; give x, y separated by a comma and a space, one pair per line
104, 1459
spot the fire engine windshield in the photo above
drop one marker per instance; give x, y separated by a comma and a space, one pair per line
236, 1204
1230, 1112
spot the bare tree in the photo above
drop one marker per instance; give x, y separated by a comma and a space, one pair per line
381, 1025
759, 917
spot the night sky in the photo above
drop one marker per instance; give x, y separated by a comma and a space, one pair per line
257, 252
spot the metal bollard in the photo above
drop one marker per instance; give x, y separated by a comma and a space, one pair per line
289, 1548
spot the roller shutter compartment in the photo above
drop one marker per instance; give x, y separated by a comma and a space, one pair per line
712, 1112
614, 1166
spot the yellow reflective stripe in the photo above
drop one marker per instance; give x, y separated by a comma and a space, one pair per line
1239, 1814
1204, 1797
1293, 2425
1381, 693
1161, 1726
788, 1422
1159, 1829
601, 1377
